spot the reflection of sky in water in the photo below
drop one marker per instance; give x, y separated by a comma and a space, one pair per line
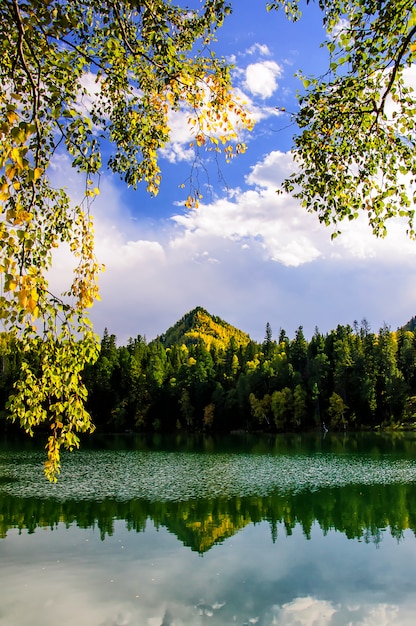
70, 577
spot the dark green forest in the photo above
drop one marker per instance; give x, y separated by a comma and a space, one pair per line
204, 375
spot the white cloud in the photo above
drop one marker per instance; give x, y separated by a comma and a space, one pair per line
252, 217
261, 78
308, 611
178, 148
286, 232
175, 152
259, 48
272, 170
409, 74
341, 26
250, 257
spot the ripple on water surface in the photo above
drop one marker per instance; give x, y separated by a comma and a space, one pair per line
172, 476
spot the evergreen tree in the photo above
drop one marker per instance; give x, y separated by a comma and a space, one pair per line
268, 338
299, 352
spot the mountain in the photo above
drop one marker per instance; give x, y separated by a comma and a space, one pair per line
411, 324
199, 325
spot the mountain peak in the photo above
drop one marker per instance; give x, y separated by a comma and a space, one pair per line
198, 325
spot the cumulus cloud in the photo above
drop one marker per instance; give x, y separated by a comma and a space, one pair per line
253, 217
308, 611
287, 233
272, 170
261, 78
249, 256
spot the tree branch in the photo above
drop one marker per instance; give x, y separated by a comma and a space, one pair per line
404, 47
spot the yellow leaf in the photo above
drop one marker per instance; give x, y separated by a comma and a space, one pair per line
22, 297
35, 313
15, 154
10, 171
11, 116
31, 305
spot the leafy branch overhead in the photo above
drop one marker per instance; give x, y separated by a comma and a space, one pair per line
355, 149
144, 59
77, 76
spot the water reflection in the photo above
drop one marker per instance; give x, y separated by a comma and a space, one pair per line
309, 533
361, 512
69, 576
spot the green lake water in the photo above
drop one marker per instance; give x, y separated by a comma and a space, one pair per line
288, 530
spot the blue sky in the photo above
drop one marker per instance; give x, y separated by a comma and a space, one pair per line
246, 254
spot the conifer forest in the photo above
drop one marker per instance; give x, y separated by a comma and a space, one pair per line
204, 375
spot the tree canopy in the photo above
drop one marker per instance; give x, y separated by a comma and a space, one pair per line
355, 148
73, 75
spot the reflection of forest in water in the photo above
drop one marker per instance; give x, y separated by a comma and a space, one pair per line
361, 512
362, 506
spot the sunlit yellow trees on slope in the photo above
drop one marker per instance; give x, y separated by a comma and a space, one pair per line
355, 148
145, 58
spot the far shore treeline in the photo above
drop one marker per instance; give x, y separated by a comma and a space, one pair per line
204, 375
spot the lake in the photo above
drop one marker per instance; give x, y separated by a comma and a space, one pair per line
306, 530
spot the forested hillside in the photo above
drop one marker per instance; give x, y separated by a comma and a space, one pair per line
205, 375
198, 325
